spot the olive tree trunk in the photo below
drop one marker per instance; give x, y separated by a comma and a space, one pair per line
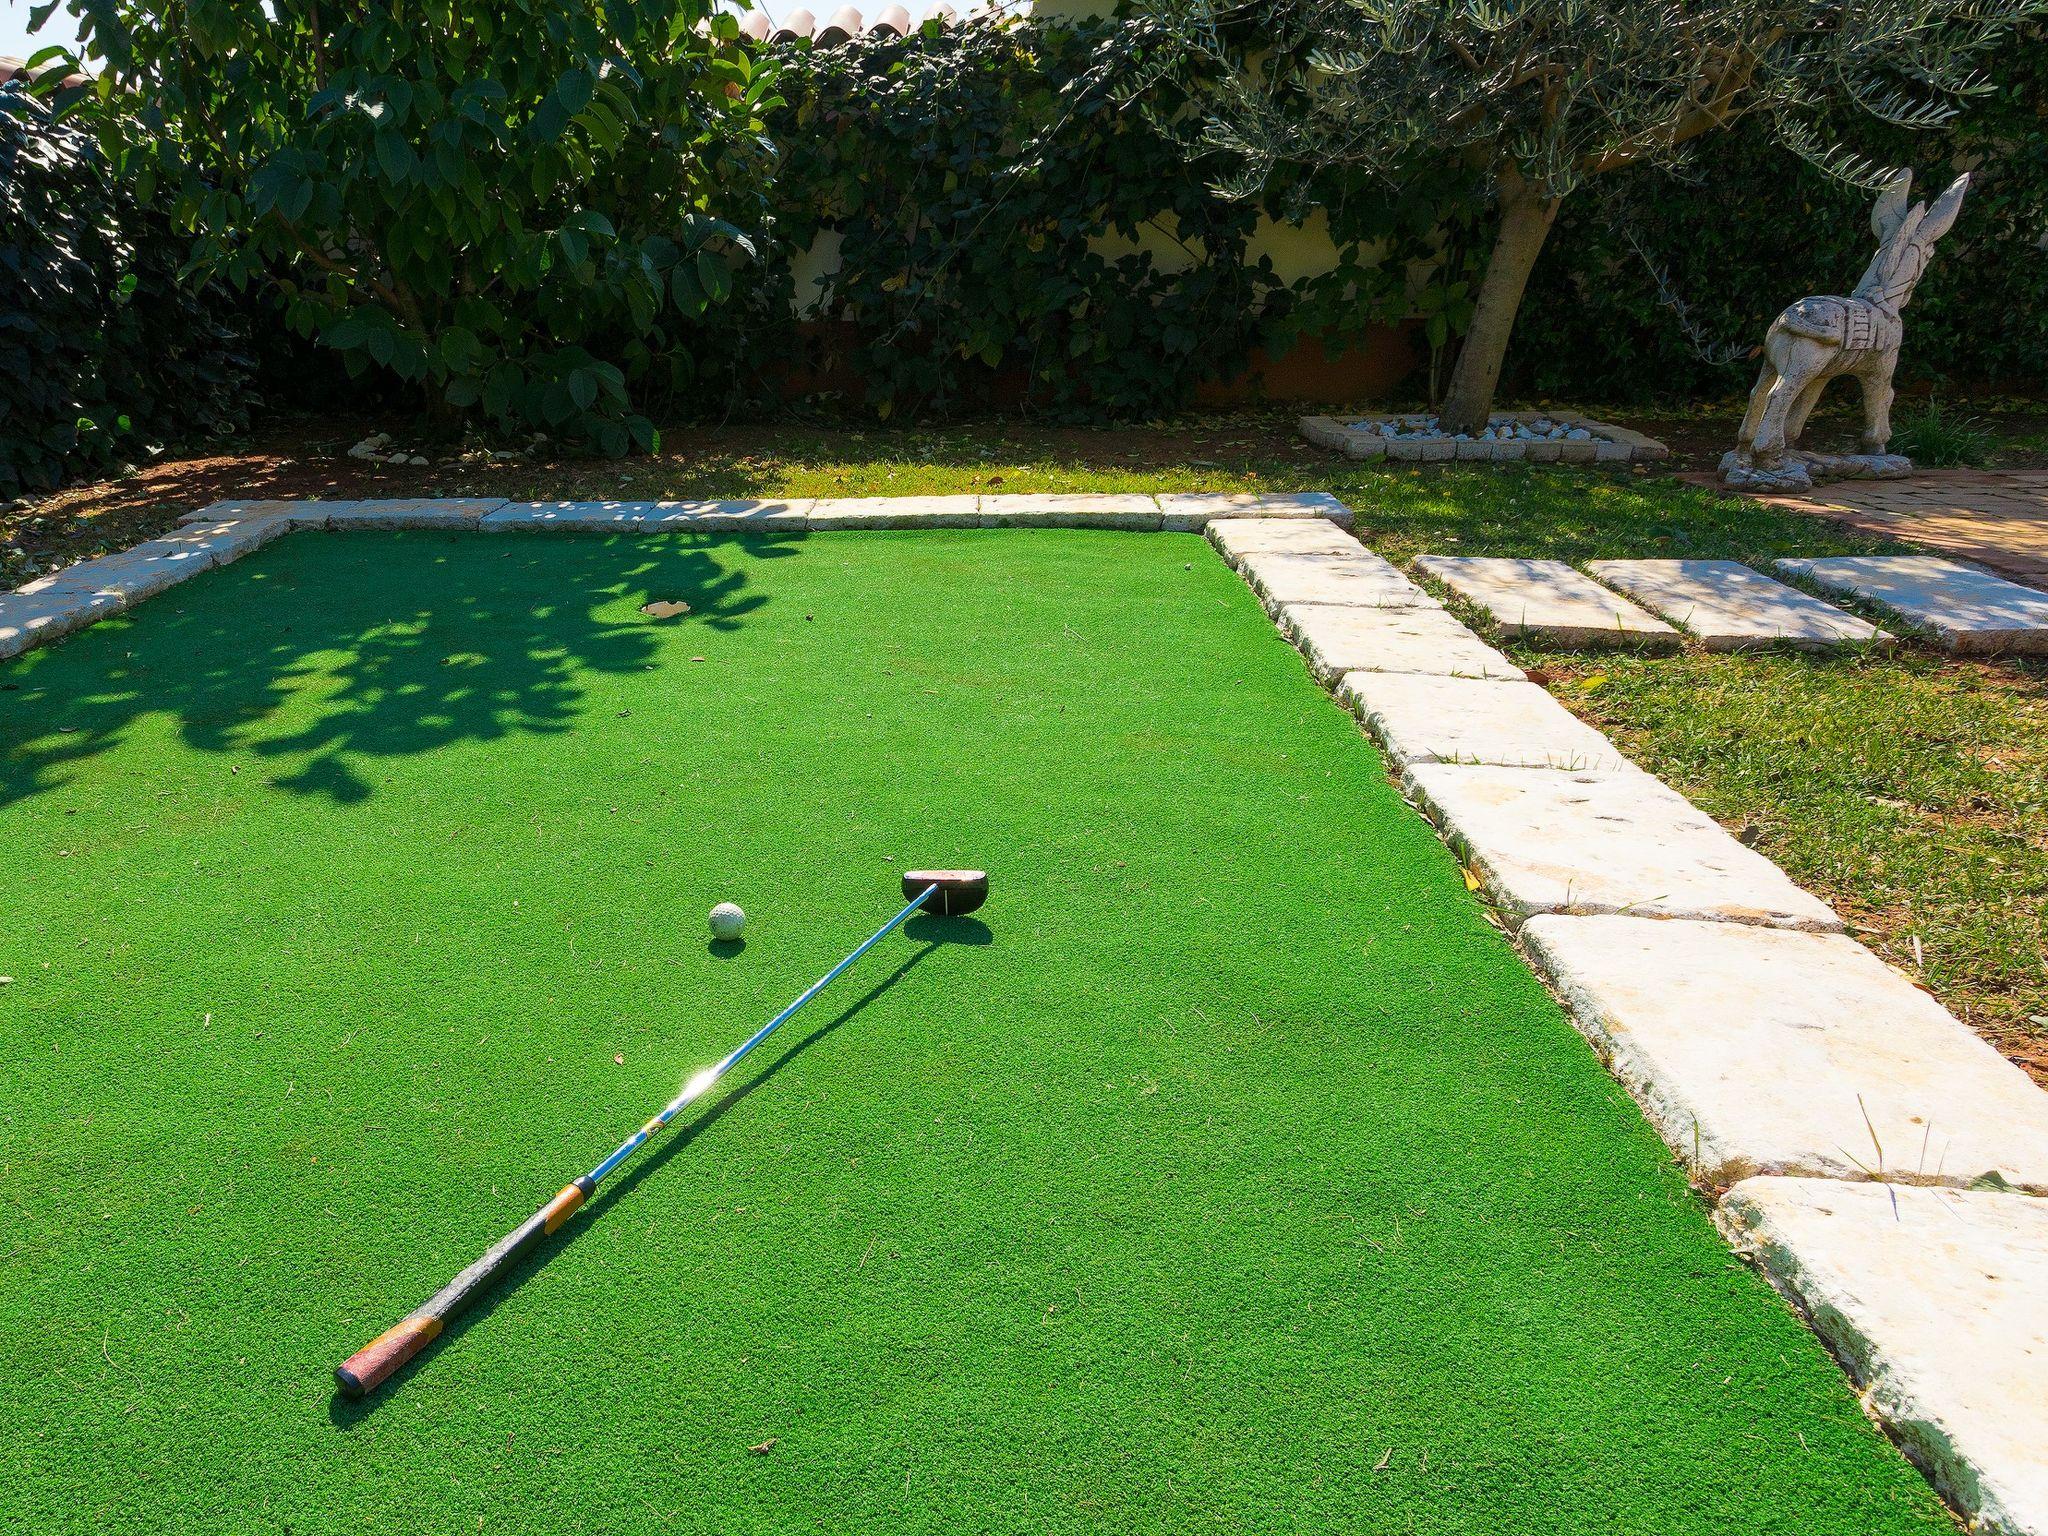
1525, 220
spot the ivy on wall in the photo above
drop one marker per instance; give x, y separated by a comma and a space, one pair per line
1016, 228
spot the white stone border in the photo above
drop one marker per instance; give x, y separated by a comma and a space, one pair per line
55, 605
1688, 1053
1755, 1041
1355, 438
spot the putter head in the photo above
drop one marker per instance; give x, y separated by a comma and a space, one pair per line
959, 892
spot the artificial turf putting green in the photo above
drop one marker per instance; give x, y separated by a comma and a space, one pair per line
1230, 1173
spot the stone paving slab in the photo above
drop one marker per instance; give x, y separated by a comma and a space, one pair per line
1421, 718
896, 512
140, 571
30, 619
1337, 640
1730, 607
437, 512
1239, 538
1138, 514
646, 517
1937, 1303
1190, 511
1972, 612
1547, 600
1605, 841
377, 512
1354, 579
228, 539
1761, 1051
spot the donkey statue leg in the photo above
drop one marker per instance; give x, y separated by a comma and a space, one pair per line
1809, 397
1877, 402
1768, 446
1753, 418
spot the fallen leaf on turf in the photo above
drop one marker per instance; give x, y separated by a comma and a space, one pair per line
1381, 1464
619, 1060
763, 1448
1471, 880
1587, 685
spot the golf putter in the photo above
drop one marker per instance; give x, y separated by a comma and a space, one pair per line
945, 892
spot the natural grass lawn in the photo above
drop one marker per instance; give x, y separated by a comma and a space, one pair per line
1235, 1175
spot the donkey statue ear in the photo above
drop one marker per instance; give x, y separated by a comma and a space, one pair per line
1943, 213
1890, 212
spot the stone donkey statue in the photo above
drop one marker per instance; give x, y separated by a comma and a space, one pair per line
1823, 338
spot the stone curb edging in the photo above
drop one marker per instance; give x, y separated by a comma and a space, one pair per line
1736, 965
1933, 1300
56, 605
1783, 1063
1609, 444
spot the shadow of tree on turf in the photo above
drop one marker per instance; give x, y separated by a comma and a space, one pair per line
934, 933
321, 658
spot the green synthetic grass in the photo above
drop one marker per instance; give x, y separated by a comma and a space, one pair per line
1230, 1174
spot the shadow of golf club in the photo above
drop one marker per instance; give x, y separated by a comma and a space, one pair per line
934, 929
345, 1413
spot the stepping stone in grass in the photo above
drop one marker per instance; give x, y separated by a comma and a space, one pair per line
1355, 579
1238, 538
1549, 601
1730, 607
1937, 1303
1605, 841
1754, 1051
1420, 718
1971, 611
1337, 640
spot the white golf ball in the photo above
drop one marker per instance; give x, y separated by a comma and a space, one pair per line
727, 920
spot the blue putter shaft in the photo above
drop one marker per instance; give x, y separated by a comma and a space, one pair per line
706, 1080
375, 1363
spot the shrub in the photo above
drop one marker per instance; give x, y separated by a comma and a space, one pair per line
103, 354
506, 206
1940, 438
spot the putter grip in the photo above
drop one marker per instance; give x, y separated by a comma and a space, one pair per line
372, 1365
369, 1367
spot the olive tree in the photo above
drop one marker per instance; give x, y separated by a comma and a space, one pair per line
1536, 98
502, 205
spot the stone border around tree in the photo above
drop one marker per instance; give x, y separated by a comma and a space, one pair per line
1355, 438
1697, 1011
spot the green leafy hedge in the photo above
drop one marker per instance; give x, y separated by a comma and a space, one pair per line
103, 353
512, 208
